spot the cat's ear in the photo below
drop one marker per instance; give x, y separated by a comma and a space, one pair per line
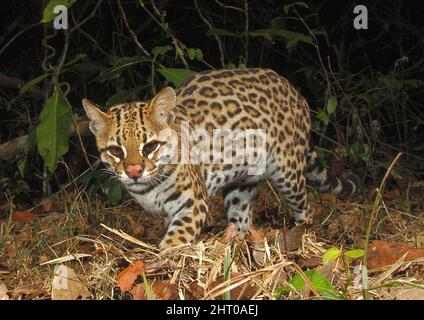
162, 106
98, 119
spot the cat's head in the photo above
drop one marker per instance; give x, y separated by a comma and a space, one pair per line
129, 136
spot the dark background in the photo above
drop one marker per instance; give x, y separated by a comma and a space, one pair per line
376, 75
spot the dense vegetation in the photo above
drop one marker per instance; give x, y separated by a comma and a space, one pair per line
364, 86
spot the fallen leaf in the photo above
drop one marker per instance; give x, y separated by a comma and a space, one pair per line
291, 240
161, 290
230, 233
66, 285
392, 195
312, 262
26, 293
23, 216
127, 278
47, 204
408, 294
254, 235
130, 280
259, 254
164, 290
382, 253
245, 291
137, 228
3, 292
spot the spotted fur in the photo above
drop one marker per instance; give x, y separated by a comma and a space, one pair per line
222, 99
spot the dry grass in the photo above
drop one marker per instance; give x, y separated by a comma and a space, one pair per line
98, 242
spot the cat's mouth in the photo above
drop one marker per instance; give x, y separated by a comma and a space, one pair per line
145, 178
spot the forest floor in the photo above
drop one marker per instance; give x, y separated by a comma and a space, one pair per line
72, 247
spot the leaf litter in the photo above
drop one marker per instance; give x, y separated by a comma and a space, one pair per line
110, 254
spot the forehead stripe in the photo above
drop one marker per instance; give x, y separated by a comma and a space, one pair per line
118, 117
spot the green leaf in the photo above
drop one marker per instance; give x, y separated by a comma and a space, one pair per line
27, 86
280, 291
221, 33
32, 83
228, 261
48, 14
399, 84
199, 54
120, 65
86, 177
323, 116
354, 254
331, 254
292, 37
320, 283
191, 53
331, 104
175, 75
113, 191
287, 7
77, 58
160, 51
53, 130
179, 52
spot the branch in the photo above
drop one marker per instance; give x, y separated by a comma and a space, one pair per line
218, 40
133, 35
15, 83
10, 149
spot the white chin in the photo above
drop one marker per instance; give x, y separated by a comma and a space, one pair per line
131, 182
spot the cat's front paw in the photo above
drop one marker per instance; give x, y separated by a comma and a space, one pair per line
172, 240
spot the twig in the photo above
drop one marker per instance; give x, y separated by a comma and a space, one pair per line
17, 35
12, 82
179, 46
91, 15
133, 35
218, 40
374, 212
229, 7
246, 32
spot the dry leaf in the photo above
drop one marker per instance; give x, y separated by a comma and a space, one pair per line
312, 262
258, 253
392, 195
255, 236
161, 290
130, 280
23, 216
136, 227
127, 278
408, 293
230, 233
46, 204
292, 239
243, 292
3, 292
67, 286
382, 254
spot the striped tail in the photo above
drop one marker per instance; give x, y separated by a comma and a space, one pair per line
325, 181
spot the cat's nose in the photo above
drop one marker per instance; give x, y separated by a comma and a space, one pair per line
133, 171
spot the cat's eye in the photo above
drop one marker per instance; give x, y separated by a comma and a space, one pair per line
116, 152
148, 148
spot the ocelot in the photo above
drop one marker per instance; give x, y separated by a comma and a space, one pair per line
136, 141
